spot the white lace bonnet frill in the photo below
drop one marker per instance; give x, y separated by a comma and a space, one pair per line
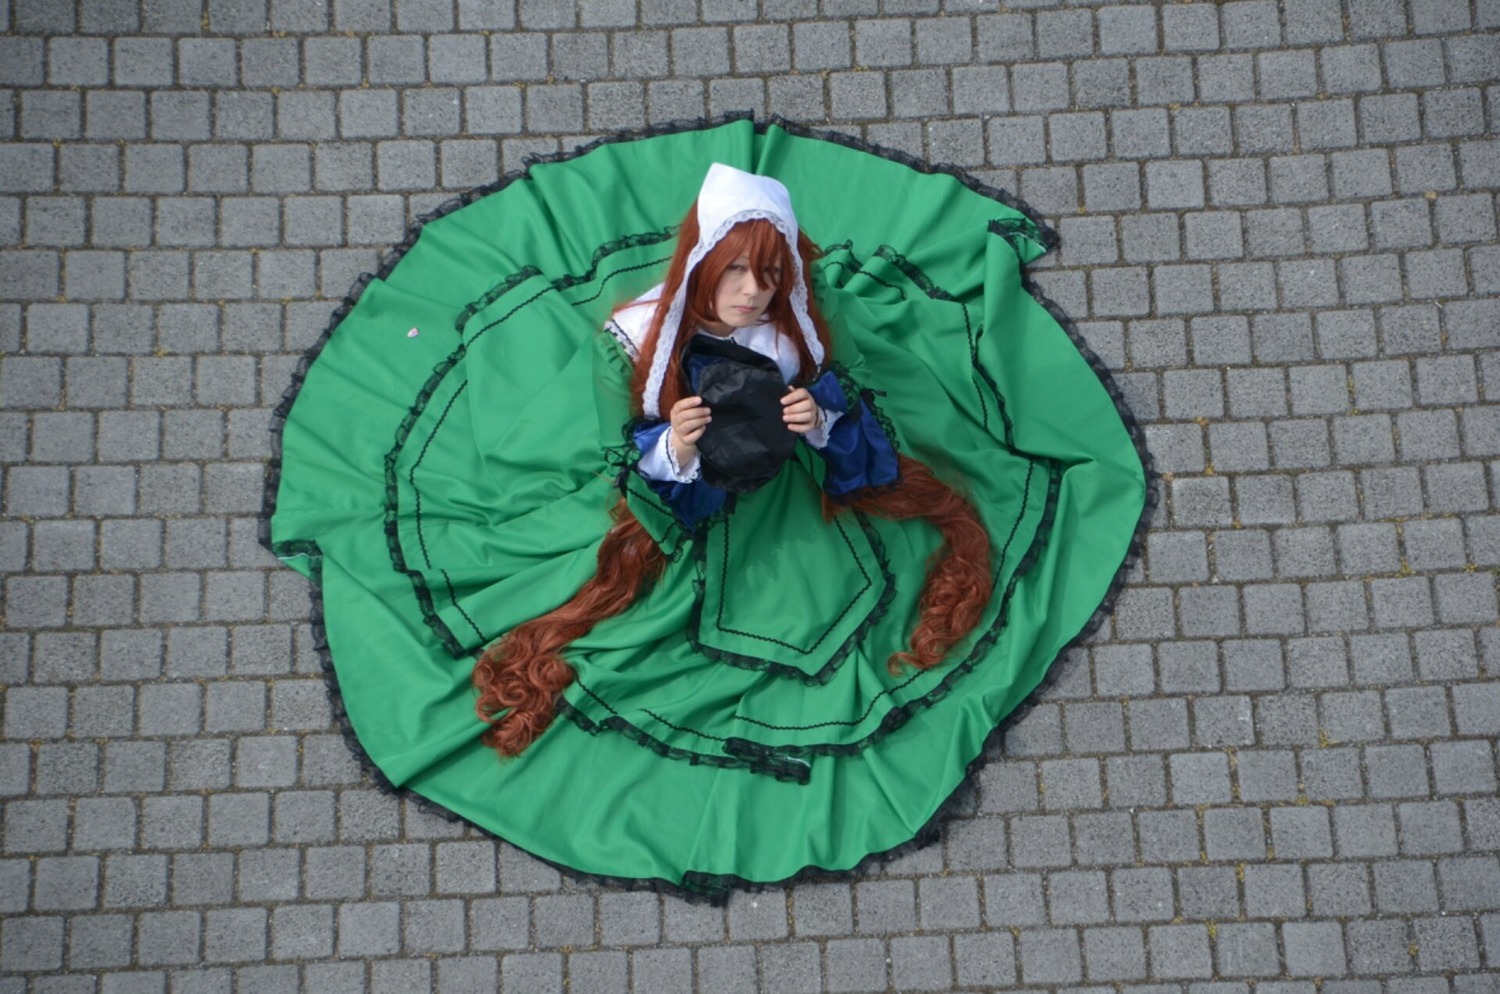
729, 196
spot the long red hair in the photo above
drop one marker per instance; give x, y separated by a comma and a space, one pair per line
521, 675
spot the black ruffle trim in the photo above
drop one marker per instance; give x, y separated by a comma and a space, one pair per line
696, 886
771, 754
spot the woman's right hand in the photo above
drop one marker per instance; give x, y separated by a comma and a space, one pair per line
689, 417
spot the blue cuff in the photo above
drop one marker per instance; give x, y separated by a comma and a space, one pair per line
691, 502
859, 454
828, 393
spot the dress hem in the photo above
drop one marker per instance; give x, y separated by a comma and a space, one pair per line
698, 886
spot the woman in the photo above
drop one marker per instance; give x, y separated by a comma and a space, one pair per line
716, 651
737, 291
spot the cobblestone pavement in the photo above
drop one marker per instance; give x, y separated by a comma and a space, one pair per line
1276, 768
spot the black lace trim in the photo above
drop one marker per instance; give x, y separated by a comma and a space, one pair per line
790, 771
854, 392
899, 714
426, 603
902, 713
697, 886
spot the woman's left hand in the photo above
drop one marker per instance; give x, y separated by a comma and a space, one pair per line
800, 411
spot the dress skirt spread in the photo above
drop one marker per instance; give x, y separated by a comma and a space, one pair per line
449, 462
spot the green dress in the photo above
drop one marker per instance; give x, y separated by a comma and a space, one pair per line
449, 460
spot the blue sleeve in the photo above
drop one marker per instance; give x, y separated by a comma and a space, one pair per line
691, 502
859, 453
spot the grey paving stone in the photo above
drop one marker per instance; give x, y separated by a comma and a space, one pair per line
1286, 720
1332, 774
1210, 892
1071, 783
609, 971
1244, 555
856, 965
1313, 948
1266, 776
100, 941
1474, 710
1180, 951
760, 916
1111, 186
64, 884
1396, 771
1425, 168
1428, 828
369, 928
1445, 944
1050, 956
659, 969
404, 869
1234, 833
1376, 946
1468, 883
1445, 655
1145, 894
32, 943
1107, 838
1265, 128
1417, 712
1274, 891
135, 881
1139, 134
1213, 235
1039, 841
1040, 86
1010, 900
202, 878
1453, 113
1301, 833
1186, 667
1077, 898
984, 959
1466, 767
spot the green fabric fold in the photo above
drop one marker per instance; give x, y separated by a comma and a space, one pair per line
739, 721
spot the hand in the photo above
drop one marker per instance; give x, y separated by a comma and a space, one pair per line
689, 417
800, 411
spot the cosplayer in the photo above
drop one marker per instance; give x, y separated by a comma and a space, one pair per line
736, 321
741, 547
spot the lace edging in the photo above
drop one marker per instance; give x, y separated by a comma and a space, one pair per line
697, 886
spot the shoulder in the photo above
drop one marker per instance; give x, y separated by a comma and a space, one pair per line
629, 323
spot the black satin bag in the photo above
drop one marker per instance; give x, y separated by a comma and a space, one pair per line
746, 443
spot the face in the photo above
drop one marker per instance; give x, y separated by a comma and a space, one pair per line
742, 297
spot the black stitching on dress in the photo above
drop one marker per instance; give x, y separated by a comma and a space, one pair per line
697, 885
618, 272
848, 248
724, 585
411, 476
425, 602
453, 596
1004, 550
901, 713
